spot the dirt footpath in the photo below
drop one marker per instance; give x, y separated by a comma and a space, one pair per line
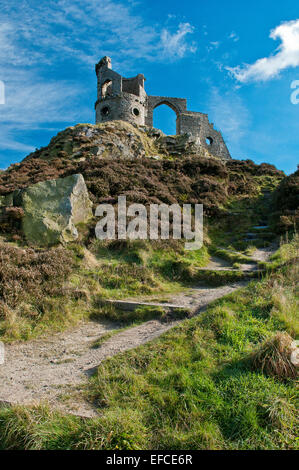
55, 368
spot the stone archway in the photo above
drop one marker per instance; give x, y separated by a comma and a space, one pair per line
169, 104
178, 105
166, 118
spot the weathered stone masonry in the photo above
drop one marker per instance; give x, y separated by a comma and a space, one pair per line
126, 99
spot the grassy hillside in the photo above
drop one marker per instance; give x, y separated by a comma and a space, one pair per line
221, 380
235, 195
218, 381
286, 204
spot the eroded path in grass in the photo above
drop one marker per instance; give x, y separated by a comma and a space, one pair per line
55, 369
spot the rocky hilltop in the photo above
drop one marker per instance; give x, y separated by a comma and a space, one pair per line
141, 163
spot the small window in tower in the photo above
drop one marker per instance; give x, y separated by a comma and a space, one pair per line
107, 88
105, 111
209, 140
136, 111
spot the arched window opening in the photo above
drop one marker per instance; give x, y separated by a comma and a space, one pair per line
107, 88
164, 118
209, 140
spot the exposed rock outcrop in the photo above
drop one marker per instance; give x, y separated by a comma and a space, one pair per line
52, 209
117, 140
49, 210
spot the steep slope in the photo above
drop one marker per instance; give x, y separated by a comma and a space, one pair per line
286, 204
143, 164
148, 167
197, 386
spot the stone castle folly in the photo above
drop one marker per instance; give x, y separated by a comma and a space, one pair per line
125, 99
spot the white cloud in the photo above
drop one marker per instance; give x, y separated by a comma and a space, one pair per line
37, 38
85, 29
285, 56
213, 45
38, 101
11, 144
174, 45
233, 36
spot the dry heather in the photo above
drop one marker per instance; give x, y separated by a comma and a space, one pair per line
286, 203
28, 278
117, 163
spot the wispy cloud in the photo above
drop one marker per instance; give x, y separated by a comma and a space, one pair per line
83, 29
11, 144
175, 45
213, 45
285, 56
62, 35
34, 102
233, 36
230, 115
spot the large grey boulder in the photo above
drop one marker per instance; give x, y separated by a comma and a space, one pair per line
52, 209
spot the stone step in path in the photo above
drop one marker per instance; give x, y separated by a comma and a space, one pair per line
259, 232
219, 264
131, 305
244, 269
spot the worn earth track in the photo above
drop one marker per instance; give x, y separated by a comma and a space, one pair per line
55, 369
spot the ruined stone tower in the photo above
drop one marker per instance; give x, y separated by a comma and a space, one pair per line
126, 99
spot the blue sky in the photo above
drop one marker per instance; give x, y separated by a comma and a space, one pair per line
233, 60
